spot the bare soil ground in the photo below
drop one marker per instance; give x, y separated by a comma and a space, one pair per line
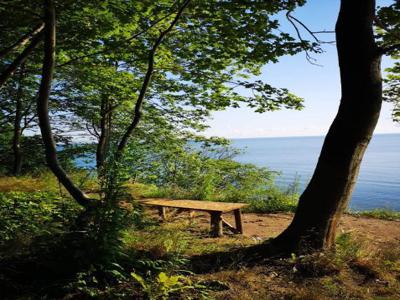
373, 275
264, 226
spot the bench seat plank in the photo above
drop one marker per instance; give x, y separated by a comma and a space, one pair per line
207, 206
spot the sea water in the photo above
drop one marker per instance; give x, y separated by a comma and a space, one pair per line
378, 184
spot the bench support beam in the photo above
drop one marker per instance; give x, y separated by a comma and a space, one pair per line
216, 224
229, 226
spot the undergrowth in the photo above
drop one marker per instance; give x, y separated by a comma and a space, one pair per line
383, 214
42, 255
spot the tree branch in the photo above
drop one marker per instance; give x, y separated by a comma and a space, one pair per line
20, 58
28, 121
389, 49
384, 50
150, 67
23, 40
94, 132
378, 22
309, 58
136, 35
313, 34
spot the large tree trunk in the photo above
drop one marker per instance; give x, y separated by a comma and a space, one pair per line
43, 110
330, 189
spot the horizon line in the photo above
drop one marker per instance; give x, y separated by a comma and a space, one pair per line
296, 136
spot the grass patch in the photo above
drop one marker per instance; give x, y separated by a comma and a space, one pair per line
276, 202
354, 270
28, 215
21, 184
383, 214
47, 182
180, 238
139, 190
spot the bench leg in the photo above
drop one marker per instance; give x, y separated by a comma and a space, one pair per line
191, 213
216, 224
162, 213
238, 220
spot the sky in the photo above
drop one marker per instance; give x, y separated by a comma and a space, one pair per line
318, 85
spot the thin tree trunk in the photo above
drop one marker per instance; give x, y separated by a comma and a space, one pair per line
105, 126
330, 189
20, 59
17, 128
137, 114
43, 103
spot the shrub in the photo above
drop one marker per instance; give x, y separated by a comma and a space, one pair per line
33, 156
384, 214
26, 215
348, 248
163, 286
192, 175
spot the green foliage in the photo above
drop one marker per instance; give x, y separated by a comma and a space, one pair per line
392, 89
208, 62
348, 251
165, 249
207, 173
388, 27
201, 65
5, 138
34, 162
163, 286
106, 220
214, 179
388, 33
348, 248
273, 201
27, 215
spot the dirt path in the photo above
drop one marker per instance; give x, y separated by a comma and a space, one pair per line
264, 226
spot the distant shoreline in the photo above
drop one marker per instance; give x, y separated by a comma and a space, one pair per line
298, 136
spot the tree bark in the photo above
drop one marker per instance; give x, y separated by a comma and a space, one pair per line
43, 103
105, 128
329, 191
17, 129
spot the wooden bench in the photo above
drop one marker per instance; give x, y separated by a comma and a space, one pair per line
215, 209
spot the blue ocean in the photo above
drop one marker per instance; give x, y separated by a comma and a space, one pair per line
378, 184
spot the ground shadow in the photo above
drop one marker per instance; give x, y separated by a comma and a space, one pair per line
264, 253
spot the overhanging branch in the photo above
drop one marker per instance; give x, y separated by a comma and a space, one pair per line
108, 50
294, 21
21, 58
23, 40
146, 81
389, 49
